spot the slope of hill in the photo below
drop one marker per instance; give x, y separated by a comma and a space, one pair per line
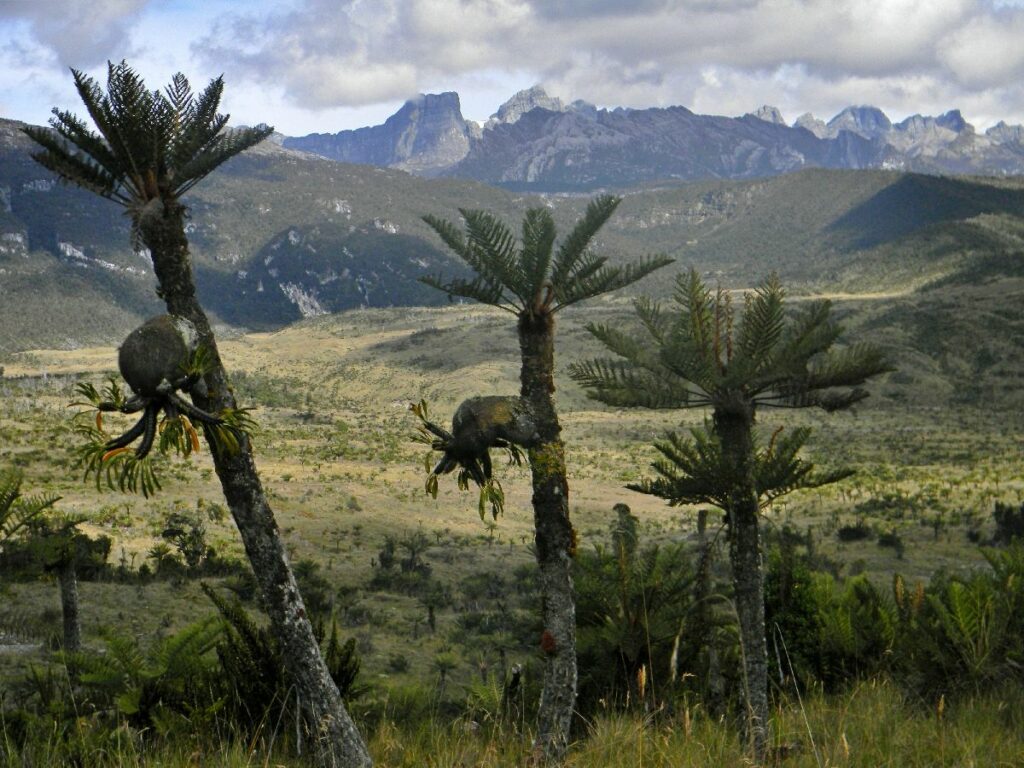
278, 235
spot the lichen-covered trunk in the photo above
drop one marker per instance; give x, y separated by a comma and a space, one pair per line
69, 606
338, 743
555, 542
734, 427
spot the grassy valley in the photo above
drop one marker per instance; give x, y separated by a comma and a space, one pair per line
934, 448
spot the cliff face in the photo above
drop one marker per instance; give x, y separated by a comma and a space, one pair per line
426, 135
539, 142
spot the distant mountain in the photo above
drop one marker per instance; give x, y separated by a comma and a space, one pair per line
427, 134
537, 142
278, 235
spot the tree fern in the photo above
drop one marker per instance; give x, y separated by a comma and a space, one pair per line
17, 511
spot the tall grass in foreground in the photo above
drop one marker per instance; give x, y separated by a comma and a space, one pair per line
871, 725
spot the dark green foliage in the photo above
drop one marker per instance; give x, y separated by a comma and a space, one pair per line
859, 531
791, 614
698, 354
967, 633
17, 510
44, 543
165, 686
187, 533
151, 144
634, 606
696, 471
532, 277
258, 696
1009, 523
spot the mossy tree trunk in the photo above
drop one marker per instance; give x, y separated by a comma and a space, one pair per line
554, 539
734, 426
337, 739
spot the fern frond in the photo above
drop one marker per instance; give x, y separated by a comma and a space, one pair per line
573, 249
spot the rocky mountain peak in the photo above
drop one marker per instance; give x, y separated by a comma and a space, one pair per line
809, 122
428, 133
769, 114
869, 122
954, 121
523, 102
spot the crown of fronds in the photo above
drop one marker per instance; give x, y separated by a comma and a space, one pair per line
695, 471
698, 353
531, 276
150, 144
16, 510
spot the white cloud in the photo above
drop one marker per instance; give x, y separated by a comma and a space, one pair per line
79, 33
326, 58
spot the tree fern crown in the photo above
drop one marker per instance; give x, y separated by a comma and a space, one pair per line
698, 354
530, 276
150, 145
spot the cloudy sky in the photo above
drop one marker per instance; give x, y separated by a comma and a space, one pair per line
326, 65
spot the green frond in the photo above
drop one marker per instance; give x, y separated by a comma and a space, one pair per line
605, 279
622, 385
16, 510
217, 151
493, 247
477, 289
654, 319
73, 167
696, 471
150, 143
689, 472
532, 279
538, 242
490, 285
779, 470
573, 248
761, 327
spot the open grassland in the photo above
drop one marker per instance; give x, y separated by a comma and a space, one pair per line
334, 450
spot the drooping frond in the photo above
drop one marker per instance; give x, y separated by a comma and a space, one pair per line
689, 472
695, 471
832, 380
621, 385
73, 167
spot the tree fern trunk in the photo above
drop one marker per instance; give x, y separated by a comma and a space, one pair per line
335, 735
69, 606
554, 541
735, 429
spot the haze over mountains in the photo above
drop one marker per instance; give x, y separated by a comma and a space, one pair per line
536, 142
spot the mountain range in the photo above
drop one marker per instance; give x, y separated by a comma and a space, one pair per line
539, 143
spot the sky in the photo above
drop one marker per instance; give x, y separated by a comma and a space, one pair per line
327, 65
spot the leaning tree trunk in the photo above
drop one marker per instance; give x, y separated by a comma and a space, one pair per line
734, 426
554, 540
337, 740
69, 605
